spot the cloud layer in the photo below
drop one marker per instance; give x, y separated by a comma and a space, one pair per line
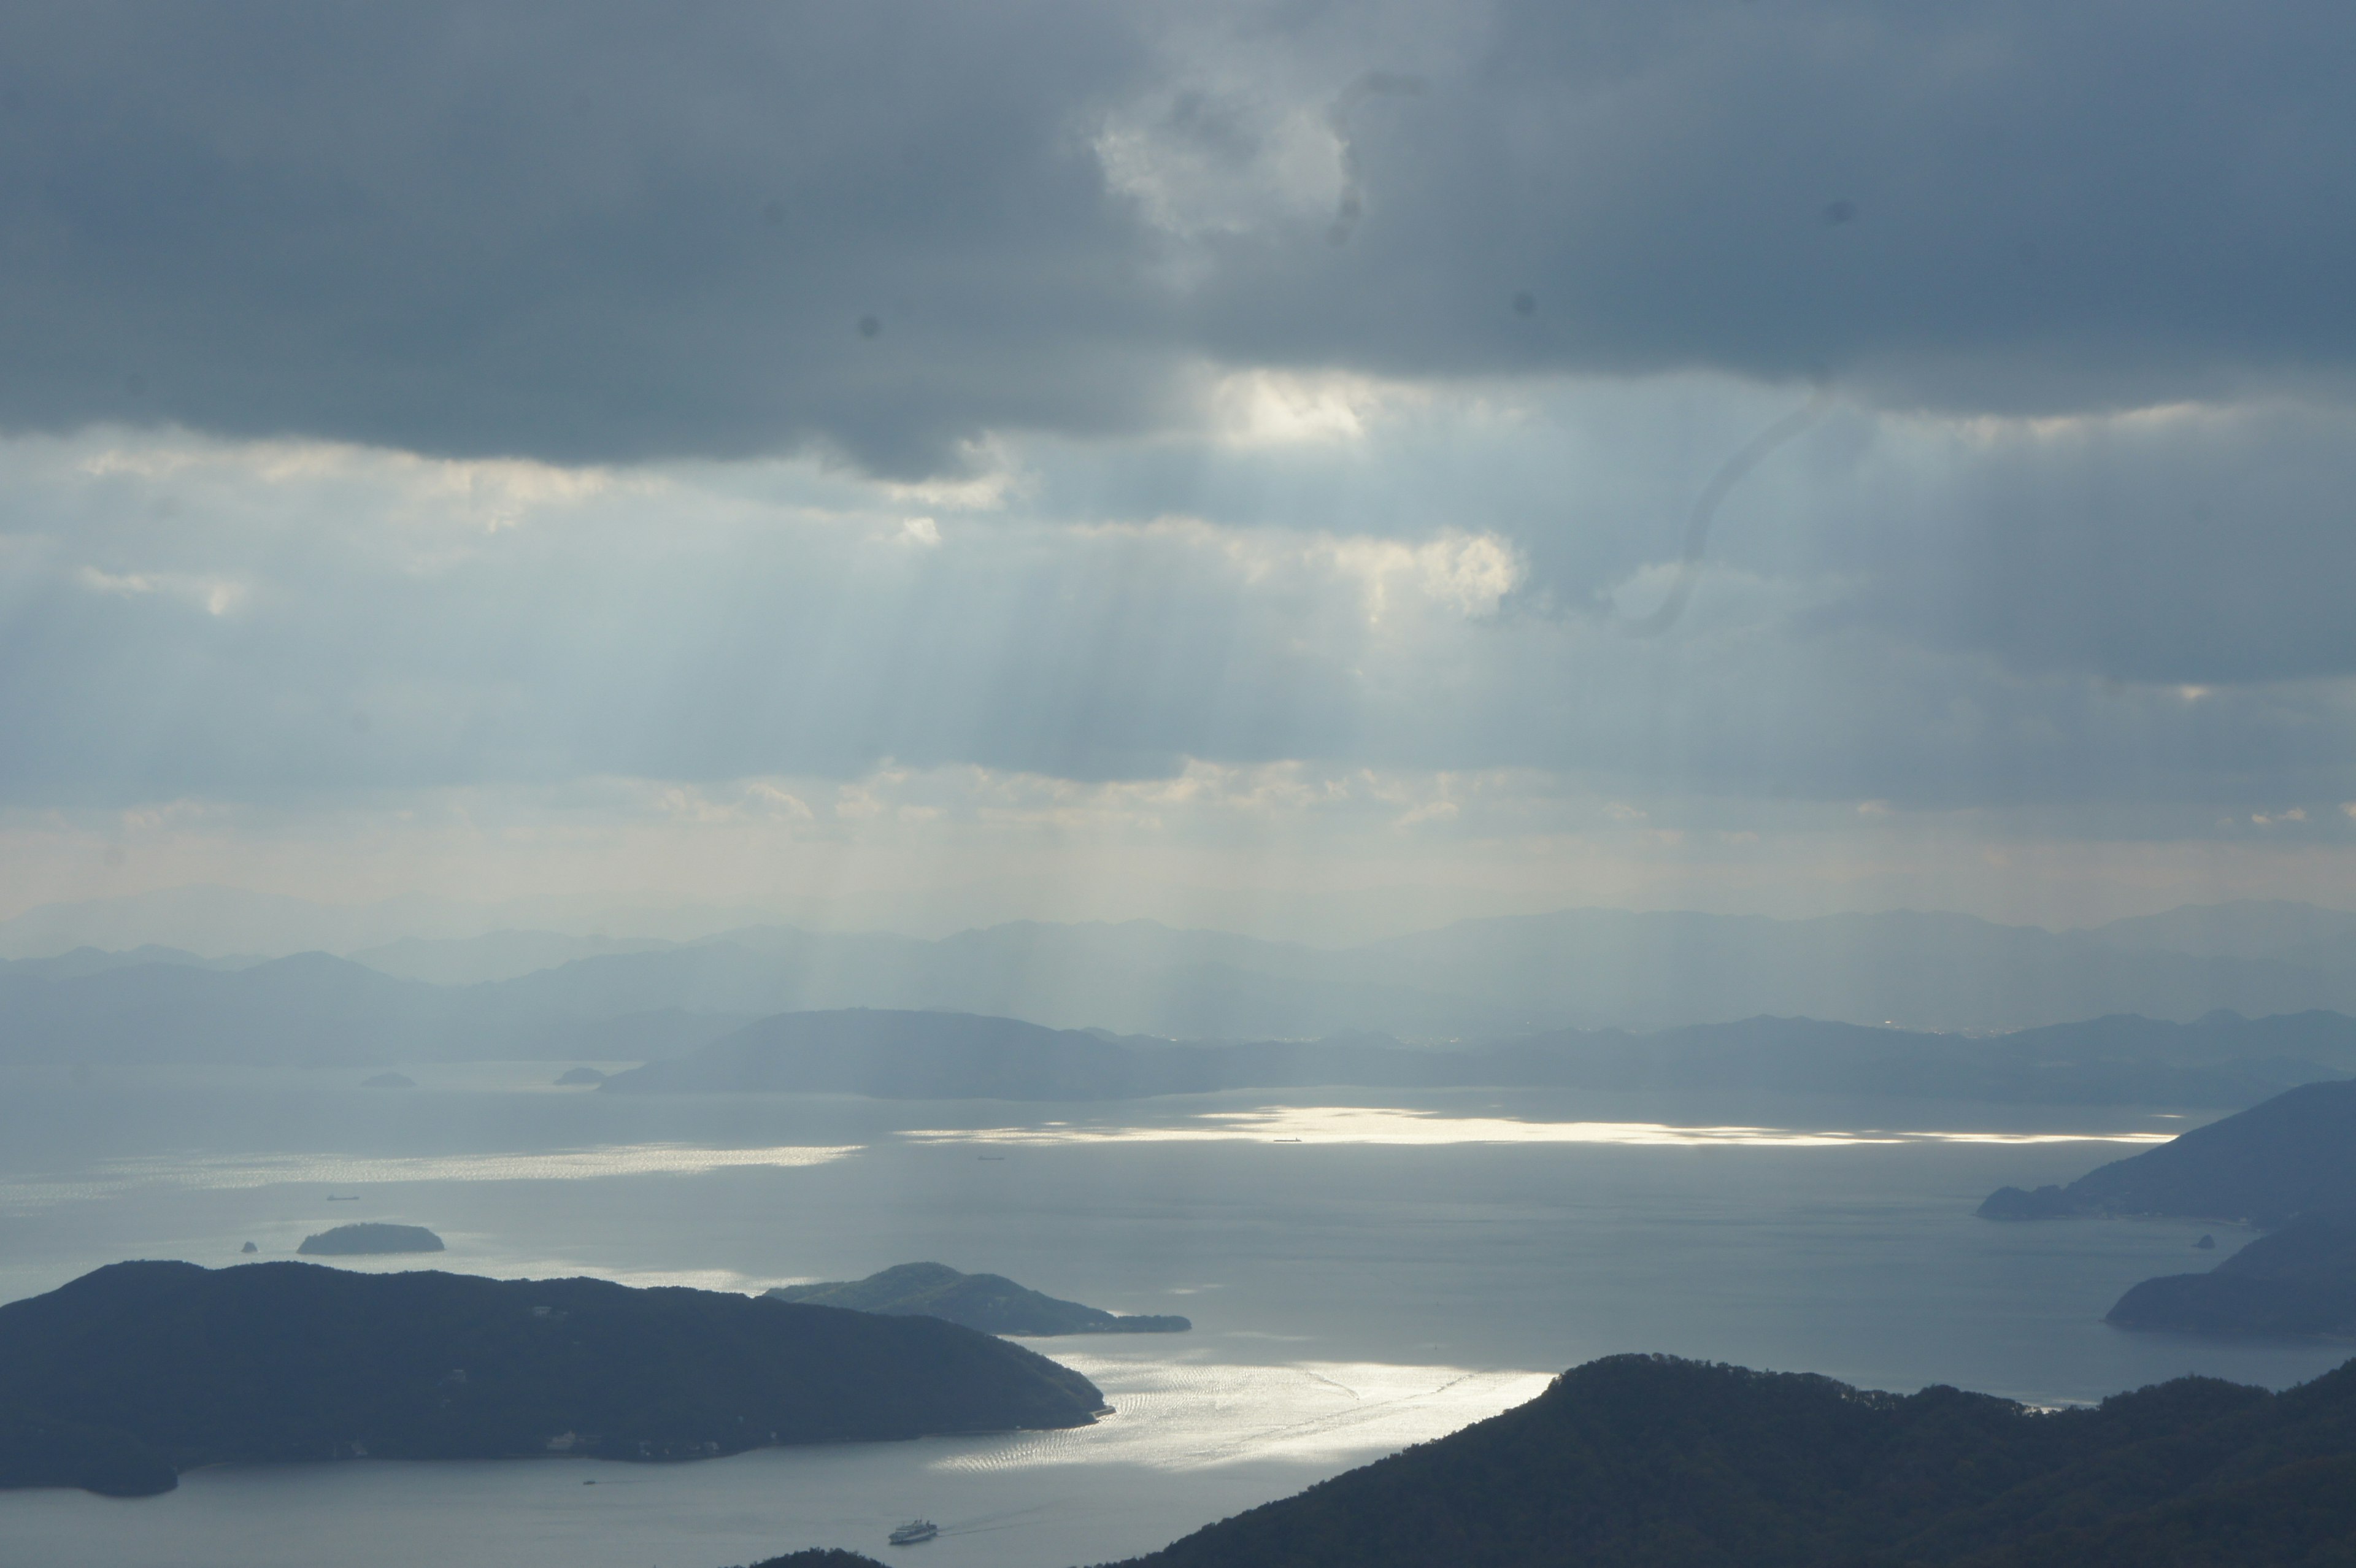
726, 416
592, 233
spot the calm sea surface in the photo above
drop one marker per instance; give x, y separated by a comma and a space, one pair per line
1399, 1270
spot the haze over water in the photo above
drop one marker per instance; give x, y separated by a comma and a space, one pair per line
1399, 1272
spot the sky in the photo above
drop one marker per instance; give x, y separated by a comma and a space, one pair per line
1313, 469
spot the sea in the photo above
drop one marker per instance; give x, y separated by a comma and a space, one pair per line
1364, 1272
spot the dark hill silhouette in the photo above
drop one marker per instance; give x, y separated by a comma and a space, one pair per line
2297, 1281
1477, 979
308, 1010
130, 1372
1650, 1461
2220, 1059
992, 1303
896, 1055
368, 1237
2261, 1167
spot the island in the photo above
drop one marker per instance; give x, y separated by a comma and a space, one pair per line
389, 1080
369, 1238
2261, 1167
134, 1373
579, 1077
1654, 1462
990, 1302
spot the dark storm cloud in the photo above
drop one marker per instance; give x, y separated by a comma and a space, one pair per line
581, 232
588, 233
1990, 206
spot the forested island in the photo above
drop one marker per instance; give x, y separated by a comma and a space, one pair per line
369, 1238
990, 1302
135, 1372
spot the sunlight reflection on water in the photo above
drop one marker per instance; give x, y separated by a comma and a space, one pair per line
1378, 1125
1180, 1414
234, 1173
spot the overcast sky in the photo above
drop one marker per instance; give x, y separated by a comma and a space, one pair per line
918, 463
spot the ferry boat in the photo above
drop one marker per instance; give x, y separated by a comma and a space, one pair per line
912, 1531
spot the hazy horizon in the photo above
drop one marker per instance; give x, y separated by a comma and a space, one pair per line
193, 918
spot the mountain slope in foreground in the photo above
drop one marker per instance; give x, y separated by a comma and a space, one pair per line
989, 1302
137, 1370
1653, 1461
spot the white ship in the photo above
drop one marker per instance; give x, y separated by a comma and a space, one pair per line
912, 1531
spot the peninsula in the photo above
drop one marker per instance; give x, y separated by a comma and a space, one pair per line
2299, 1281
2287, 1166
2261, 1167
126, 1376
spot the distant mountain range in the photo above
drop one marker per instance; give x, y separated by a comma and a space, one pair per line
2223, 1060
544, 993
317, 1012
310, 1010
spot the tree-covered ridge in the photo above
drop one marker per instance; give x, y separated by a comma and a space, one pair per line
989, 1302
1651, 1461
133, 1372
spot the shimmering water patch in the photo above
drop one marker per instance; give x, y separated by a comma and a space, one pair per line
238, 1172
1184, 1414
1378, 1124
